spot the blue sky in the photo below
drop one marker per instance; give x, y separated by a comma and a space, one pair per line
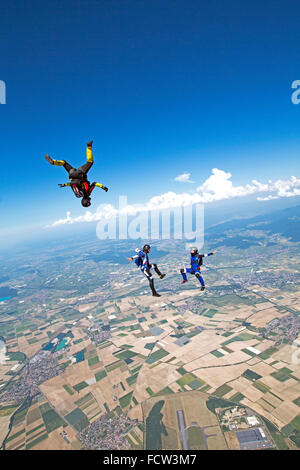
163, 88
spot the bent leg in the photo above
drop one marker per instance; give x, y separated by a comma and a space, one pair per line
148, 275
200, 279
89, 154
86, 167
89, 160
158, 271
183, 274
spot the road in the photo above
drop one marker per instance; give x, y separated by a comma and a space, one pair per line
182, 430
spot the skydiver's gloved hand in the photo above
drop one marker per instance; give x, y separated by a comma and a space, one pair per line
129, 259
61, 185
90, 143
105, 188
49, 159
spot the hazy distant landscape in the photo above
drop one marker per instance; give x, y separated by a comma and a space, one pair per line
86, 343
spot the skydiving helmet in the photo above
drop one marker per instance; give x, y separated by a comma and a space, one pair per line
86, 202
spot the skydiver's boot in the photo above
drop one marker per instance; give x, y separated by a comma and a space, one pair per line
154, 293
183, 276
158, 271
90, 143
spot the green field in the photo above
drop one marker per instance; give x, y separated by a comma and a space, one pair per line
100, 375
210, 313
276, 435
268, 353
190, 379
85, 399
240, 337
250, 353
165, 391
153, 357
261, 386
297, 401
221, 391
93, 360
296, 423
77, 419
155, 427
16, 356
6, 410
32, 416
125, 355
137, 439
13, 436
34, 429
80, 386
181, 371
214, 403
237, 397
132, 379
135, 401
125, 400
67, 389
122, 385
114, 365
250, 375
196, 439
36, 441
216, 353
52, 420
135, 370
196, 384
282, 374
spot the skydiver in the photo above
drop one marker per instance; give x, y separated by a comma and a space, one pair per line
80, 185
196, 262
142, 261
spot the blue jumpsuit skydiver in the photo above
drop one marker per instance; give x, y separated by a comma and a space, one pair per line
196, 262
142, 261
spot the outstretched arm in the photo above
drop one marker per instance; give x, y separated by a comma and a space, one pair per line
132, 257
100, 186
139, 254
207, 254
63, 185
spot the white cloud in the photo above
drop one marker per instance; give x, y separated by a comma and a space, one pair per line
184, 178
216, 188
267, 198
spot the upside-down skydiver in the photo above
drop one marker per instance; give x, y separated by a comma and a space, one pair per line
142, 261
79, 183
196, 262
